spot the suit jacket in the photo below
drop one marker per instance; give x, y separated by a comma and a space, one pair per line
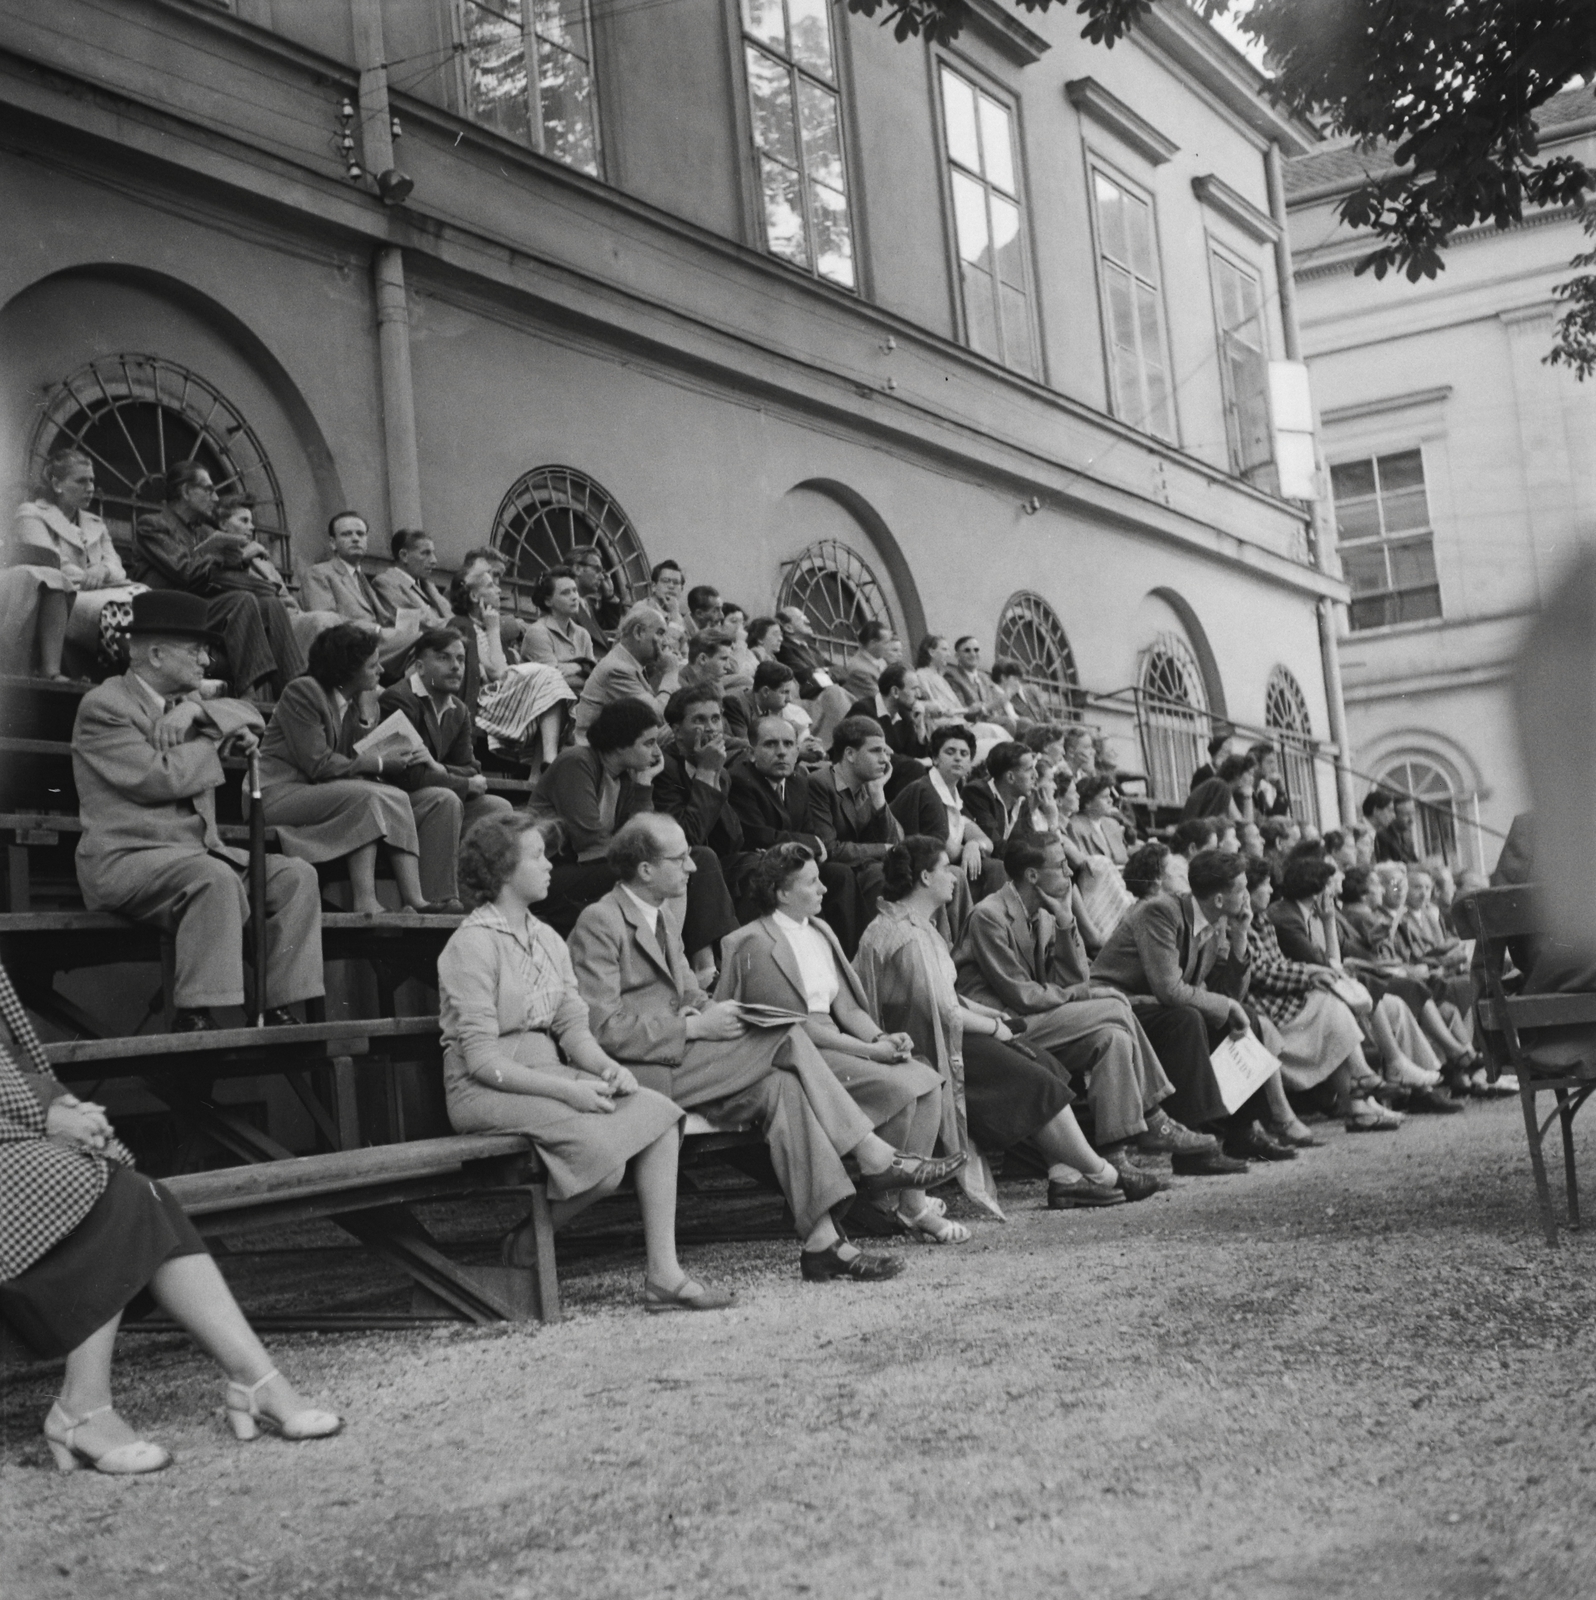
636, 982
861, 673
1391, 844
903, 738
841, 825
169, 553
400, 592
799, 654
570, 789
330, 586
1295, 936
918, 808
705, 813
134, 798
984, 807
757, 965
1003, 960
307, 741
1150, 950
448, 737
766, 819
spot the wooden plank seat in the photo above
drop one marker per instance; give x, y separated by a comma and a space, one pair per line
1492, 918
369, 1192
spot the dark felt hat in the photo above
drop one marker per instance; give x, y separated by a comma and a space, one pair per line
173, 615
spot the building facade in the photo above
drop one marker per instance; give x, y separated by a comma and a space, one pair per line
973, 337
1463, 470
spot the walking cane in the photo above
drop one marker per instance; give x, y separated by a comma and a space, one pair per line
257, 885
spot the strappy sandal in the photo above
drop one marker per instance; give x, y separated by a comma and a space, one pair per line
246, 1419
938, 1229
1375, 1120
123, 1460
689, 1296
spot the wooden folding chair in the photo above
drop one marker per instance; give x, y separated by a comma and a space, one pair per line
1492, 917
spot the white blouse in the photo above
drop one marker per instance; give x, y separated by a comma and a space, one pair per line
816, 964
955, 805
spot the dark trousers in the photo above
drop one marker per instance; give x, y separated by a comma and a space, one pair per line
1180, 1039
257, 638
853, 892
575, 885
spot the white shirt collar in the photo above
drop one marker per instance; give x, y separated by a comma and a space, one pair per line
782, 920
949, 797
1200, 924
650, 912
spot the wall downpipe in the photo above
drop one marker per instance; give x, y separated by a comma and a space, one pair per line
1323, 530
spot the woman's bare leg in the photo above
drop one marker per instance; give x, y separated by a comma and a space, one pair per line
1062, 1144
549, 726
654, 1173
54, 609
86, 1386
407, 874
363, 878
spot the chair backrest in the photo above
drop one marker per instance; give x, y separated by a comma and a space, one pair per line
1496, 913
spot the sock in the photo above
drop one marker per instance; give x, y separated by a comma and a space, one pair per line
1060, 1173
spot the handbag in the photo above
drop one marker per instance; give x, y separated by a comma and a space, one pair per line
1352, 994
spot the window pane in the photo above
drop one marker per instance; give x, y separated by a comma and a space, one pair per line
763, 19
1160, 411
496, 64
1352, 478
565, 93
969, 212
1017, 331
1377, 613
996, 145
1139, 234
1358, 521
1404, 471
1405, 510
1365, 569
1418, 605
1412, 565
833, 234
980, 314
811, 36
1121, 312
958, 109
817, 117
770, 99
1006, 238
563, 22
1111, 219
784, 221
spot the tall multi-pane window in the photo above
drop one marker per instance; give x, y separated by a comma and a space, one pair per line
983, 175
1133, 307
1383, 531
789, 52
529, 74
1244, 367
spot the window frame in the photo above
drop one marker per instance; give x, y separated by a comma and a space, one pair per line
756, 226
1220, 253
1097, 162
944, 60
1372, 454
531, 39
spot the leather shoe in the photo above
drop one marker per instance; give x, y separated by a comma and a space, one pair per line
1251, 1143
913, 1172
821, 1266
1165, 1136
1083, 1194
281, 1017
1135, 1180
1431, 1102
1205, 1164
442, 908
193, 1022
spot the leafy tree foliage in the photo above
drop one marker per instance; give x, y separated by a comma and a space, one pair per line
1443, 92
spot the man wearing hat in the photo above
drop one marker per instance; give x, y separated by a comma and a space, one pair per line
146, 756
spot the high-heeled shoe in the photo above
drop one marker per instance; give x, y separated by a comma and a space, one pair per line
246, 1419
123, 1460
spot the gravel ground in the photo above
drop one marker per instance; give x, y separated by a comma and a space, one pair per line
1359, 1374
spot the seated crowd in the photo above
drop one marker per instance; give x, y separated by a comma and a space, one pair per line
899, 924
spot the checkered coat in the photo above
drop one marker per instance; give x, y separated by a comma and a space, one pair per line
1280, 988
47, 1187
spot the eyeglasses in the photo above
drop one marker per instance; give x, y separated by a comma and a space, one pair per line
681, 856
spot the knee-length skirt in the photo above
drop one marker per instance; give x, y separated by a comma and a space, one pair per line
102, 1267
327, 821
510, 709
1316, 1041
579, 1148
1009, 1095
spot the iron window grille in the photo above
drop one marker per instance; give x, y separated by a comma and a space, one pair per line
1172, 717
1030, 633
1286, 717
836, 590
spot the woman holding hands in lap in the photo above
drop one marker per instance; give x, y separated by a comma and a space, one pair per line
519, 1058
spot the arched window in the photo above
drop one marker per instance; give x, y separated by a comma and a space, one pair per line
1030, 633
1286, 716
831, 584
552, 511
134, 416
1173, 717
1435, 818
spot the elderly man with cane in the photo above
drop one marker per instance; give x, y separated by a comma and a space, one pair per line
146, 756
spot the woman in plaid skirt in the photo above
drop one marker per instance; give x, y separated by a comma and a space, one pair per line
83, 1239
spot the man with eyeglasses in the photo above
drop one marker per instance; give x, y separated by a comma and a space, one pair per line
602, 607
146, 759
180, 547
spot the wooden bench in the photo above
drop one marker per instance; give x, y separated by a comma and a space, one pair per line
1492, 918
368, 1193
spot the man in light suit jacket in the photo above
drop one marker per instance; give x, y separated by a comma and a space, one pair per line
1162, 954
340, 584
648, 1012
145, 757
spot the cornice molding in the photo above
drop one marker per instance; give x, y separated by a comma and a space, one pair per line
1350, 252
1092, 100
1005, 33
1375, 408
1235, 207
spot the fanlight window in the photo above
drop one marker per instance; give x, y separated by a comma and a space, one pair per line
1435, 815
1286, 716
1173, 709
552, 511
838, 593
135, 416
1030, 633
